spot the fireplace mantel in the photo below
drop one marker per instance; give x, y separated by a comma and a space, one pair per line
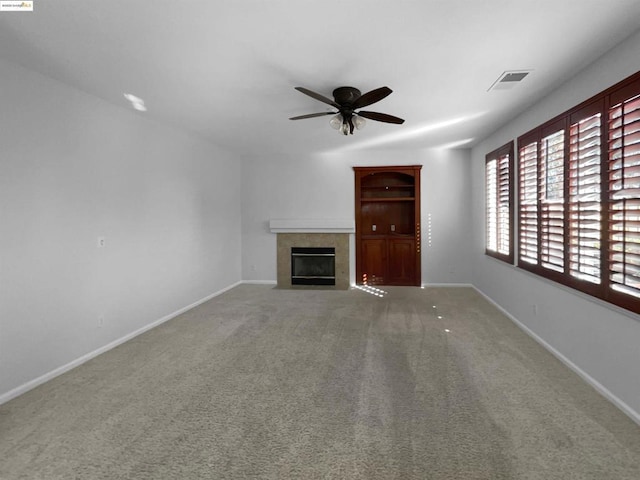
312, 225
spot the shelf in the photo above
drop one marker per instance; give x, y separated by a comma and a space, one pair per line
311, 225
382, 192
387, 199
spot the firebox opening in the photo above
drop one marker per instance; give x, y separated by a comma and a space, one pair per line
313, 266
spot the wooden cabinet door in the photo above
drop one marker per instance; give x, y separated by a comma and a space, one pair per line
374, 261
402, 268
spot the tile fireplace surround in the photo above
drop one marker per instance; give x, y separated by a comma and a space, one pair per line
312, 234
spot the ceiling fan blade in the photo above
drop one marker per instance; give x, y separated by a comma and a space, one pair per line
317, 96
371, 97
312, 115
381, 117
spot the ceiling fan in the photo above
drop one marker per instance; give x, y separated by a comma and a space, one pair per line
347, 100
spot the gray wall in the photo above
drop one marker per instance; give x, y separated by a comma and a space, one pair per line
74, 168
602, 341
322, 187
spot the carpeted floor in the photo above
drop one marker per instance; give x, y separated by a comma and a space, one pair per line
315, 384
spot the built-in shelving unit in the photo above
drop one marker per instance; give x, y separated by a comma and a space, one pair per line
387, 208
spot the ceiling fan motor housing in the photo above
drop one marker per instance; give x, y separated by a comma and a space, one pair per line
346, 95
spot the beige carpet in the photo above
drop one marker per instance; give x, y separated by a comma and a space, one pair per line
261, 383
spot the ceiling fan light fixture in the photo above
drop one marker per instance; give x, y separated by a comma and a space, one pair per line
359, 122
336, 122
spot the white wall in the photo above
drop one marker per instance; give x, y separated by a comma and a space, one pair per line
602, 341
322, 186
73, 168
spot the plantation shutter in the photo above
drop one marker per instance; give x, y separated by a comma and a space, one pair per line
552, 200
623, 163
491, 177
528, 202
504, 204
585, 228
499, 200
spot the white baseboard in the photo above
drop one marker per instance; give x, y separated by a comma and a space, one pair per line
606, 393
259, 282
5, 397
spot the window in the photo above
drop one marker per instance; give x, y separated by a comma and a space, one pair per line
623, 162
528, 226
579, 197
499, 203
541, 163
585, 212
552, 200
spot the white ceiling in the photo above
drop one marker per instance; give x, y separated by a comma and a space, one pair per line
227, 69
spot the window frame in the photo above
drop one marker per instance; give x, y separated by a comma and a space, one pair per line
579, 227
496, 155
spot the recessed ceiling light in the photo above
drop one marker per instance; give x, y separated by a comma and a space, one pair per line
136, 102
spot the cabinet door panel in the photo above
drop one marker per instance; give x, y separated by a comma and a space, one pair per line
402, 261
374, 261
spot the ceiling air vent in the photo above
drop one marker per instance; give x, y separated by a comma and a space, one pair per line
509, 79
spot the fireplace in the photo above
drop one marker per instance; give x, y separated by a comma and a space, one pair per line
313, 266
286, 263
